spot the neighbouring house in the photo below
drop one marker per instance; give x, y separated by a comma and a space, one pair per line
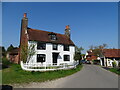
110, 56
50, 47
13, 55
90, 56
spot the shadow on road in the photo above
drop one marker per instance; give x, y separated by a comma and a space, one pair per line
106, 68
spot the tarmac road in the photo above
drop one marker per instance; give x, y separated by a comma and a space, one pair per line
91, 76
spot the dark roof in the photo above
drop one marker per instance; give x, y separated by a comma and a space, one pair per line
112, 53
14, 51
43, 36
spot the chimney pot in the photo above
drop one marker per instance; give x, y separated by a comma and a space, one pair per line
25, 15
67, 27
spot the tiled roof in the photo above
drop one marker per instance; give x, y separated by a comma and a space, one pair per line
14, 51
111, 53
43, 36
91, 57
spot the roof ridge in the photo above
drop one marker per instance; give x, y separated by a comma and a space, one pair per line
45, 31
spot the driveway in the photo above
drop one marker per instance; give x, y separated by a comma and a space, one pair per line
91, 76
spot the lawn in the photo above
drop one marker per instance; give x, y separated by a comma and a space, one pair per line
15, 74
115, 70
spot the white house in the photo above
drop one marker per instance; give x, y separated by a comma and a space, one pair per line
51, 48
109, 57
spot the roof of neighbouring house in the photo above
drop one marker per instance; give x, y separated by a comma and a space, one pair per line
14, 51
111, 53
43, 36
91, 57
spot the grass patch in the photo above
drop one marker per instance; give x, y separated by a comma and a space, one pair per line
15, 74
115, 70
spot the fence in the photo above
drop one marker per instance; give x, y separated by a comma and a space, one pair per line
47, 66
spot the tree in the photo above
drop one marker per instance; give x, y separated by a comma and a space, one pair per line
10, 48
98, 50
3, 52
77, 55
27, 52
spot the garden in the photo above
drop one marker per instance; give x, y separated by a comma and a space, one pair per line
12, 74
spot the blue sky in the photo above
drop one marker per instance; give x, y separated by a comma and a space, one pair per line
91, 23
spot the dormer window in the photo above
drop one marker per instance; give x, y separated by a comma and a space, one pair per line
52, 36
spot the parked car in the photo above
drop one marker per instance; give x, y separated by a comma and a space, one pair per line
83, 61
88, 62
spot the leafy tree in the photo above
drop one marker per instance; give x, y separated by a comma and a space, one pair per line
98, 50
78, 55
10, 48
27, 52
3, 52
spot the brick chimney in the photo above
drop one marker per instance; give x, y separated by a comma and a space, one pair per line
67, 31
24, 23
23, 34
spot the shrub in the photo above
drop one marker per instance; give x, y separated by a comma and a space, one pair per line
114, 64
5, 63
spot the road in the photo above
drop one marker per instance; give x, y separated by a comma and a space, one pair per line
91, 76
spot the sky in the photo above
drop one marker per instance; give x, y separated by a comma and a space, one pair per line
91, 23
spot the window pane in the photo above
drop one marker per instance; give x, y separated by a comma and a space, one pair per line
66, 57
41, 46
55, 46
41, 57
66, 48
53, 37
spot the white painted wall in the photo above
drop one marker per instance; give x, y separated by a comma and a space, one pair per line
109, 62
48, 52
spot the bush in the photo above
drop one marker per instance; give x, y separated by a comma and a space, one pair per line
114, 64
5, 63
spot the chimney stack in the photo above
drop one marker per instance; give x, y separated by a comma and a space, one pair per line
67, 31
24, 22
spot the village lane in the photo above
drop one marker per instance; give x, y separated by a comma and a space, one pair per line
91, 76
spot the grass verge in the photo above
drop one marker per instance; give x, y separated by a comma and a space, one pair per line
115, 70
15, 74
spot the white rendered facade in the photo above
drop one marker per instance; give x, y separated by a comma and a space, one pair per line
49, 53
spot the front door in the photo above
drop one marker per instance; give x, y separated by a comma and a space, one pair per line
55, 56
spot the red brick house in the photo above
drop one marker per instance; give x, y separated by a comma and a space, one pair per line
90, 56
13, 56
